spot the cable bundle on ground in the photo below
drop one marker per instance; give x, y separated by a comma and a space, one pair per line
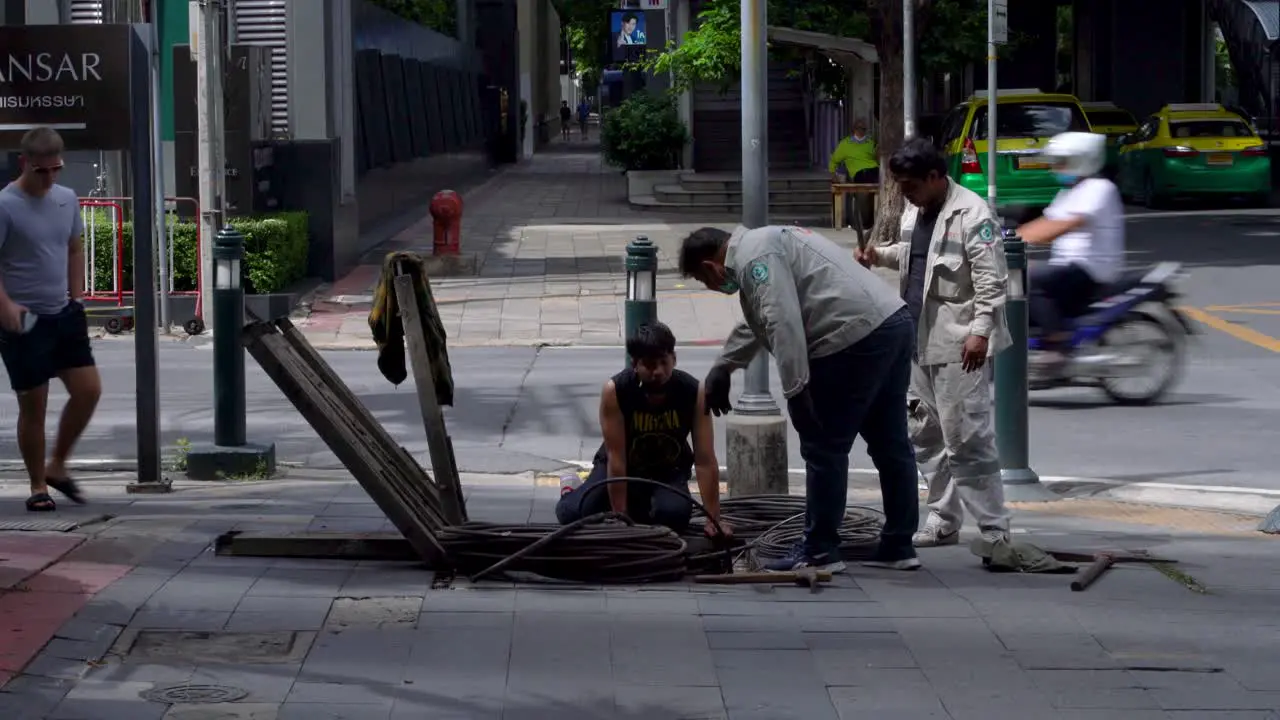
603, 548
770, 525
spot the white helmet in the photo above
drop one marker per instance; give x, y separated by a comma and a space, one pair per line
1081, 154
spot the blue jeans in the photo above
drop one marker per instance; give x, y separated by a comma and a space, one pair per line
861, 390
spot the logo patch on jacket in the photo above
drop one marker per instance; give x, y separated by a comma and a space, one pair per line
759, 272
987, 232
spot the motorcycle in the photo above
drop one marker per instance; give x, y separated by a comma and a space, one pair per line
1131, 342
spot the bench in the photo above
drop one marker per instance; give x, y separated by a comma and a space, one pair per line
862, 193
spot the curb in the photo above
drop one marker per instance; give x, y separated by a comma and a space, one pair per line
1239, 500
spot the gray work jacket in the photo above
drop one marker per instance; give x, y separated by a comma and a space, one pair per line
965, 280
802, 297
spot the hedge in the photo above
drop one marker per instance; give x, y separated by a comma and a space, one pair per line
275, 250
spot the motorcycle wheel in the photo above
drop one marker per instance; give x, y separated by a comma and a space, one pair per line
1150, 345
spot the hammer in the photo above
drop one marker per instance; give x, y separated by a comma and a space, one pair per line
804, 577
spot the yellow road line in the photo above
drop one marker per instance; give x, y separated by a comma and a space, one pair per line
1245, 306
1240, 332
1242, 310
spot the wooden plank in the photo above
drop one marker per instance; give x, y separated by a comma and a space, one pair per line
319, 546
391, 449
438, 442
413, 516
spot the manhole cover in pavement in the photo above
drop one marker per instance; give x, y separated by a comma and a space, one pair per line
51, 525
194, 694
218, 647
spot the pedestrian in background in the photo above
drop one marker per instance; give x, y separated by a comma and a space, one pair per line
44, 333
953, 277
842, 341
856, 159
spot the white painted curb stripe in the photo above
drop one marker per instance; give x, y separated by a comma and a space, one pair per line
1062, 479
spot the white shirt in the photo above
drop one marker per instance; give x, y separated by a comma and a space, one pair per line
1098, 245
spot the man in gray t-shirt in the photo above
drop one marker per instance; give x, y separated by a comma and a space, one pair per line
43, 330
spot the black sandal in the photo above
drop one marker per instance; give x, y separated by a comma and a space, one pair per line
67, 487
41, 502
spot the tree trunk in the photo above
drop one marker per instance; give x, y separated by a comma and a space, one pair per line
889, 132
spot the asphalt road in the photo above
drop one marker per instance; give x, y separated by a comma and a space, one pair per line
524, 408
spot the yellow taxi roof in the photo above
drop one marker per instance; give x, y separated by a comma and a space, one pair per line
1003, 97
1196, 111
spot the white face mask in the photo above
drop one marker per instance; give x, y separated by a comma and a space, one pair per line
859, 137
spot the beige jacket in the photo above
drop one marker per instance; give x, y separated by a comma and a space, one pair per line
965, 277
802, 297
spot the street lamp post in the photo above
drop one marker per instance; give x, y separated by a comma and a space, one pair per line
642, 286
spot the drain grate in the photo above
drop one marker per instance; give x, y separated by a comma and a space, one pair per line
195, 694
51, 525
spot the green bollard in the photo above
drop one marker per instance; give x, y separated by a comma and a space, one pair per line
642, 286
228, 351
1021, 484
230, 455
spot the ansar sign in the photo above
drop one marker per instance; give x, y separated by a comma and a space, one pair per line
73, 78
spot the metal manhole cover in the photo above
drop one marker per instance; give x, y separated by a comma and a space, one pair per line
194, 694
50, 525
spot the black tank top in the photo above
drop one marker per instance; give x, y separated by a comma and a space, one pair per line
657, 435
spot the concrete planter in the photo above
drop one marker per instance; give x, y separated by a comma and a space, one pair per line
640, 183
182, 308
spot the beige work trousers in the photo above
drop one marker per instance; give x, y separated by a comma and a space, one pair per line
952, 426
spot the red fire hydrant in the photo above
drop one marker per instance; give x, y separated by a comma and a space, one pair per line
446, 210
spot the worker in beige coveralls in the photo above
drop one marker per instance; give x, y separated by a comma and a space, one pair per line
952, 273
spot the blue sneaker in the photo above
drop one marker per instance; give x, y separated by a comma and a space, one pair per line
798, 558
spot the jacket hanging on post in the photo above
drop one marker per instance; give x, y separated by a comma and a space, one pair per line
388, 326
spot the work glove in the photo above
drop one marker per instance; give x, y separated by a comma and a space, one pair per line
804, 416
716, 388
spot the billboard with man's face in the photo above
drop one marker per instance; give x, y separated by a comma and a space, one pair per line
627, 33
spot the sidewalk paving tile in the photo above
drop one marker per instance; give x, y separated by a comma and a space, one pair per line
949, 642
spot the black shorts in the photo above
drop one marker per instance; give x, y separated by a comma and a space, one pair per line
56, 344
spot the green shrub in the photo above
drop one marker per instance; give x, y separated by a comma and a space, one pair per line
275, 249
643, 133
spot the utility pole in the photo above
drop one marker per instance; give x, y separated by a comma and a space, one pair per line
997, 34
908, 69
211, 166
756, 434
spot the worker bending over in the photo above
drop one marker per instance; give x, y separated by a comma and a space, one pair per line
952, 274
842, 341
648, 413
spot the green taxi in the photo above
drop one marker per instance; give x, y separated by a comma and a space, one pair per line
1194, 149
1025, 120
1113, 121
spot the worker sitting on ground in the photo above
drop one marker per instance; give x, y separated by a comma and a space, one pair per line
647, 414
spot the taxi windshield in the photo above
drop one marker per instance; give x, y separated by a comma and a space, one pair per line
1110, 118
1031, 120
1209, 129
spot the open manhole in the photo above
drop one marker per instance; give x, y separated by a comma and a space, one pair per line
194, 694
215, 647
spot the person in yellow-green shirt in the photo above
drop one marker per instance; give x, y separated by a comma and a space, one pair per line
856, 159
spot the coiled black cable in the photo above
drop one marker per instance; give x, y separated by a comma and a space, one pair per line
610, 548
606, 547
771, 525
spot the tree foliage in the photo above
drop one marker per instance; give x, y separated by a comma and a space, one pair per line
643, 133
439, 15
949, 34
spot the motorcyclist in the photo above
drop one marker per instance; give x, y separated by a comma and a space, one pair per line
1085, 227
